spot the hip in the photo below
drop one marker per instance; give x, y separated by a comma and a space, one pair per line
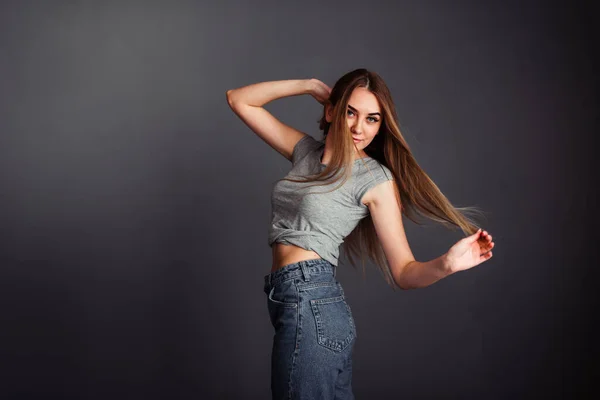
309, 291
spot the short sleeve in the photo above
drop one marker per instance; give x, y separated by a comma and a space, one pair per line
303, 147
366, 181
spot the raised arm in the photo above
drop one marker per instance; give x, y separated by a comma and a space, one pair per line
247, 103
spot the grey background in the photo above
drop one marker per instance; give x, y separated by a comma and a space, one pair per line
134, 205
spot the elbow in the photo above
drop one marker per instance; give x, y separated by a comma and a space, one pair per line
229, 95
402, 285
231, 98
400, 281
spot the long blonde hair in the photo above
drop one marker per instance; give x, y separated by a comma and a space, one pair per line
416, 194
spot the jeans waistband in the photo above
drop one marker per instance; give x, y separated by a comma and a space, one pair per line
304, 268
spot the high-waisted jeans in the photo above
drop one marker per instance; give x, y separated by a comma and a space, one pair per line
314, 332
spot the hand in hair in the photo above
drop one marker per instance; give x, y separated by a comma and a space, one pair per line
320, 91
470, 251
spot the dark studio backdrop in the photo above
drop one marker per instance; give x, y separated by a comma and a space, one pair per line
134, 204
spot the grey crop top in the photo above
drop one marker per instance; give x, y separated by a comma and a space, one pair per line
321, 221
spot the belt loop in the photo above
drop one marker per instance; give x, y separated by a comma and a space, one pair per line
305, 271
334, 270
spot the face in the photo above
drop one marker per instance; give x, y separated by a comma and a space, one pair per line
363, 116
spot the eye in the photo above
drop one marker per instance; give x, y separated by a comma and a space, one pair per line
373, 120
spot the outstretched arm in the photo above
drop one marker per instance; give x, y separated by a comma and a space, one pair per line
407, 272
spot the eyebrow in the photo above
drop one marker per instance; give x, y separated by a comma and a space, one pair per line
355, 110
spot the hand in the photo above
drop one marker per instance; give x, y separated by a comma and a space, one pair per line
470, 251
320, 91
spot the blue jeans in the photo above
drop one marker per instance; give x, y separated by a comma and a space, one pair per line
314, 332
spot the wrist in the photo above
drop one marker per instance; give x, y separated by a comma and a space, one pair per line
308, 86
447, 265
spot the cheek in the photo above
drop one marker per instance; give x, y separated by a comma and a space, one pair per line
373, 131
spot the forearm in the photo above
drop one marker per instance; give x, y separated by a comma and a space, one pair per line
259, 94
420, 274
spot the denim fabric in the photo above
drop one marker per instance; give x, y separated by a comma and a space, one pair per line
314, 332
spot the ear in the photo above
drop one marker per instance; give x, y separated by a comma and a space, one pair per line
328, 112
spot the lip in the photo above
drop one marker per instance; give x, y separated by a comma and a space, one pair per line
357, 140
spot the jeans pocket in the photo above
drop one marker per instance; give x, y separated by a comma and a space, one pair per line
284, 295
282, 303
335, 325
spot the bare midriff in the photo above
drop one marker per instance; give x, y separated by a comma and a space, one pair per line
284, 254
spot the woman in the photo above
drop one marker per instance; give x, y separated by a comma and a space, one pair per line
367, 177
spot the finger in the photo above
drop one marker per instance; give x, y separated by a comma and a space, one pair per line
474, 236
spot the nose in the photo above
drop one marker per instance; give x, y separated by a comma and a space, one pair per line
355, 127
